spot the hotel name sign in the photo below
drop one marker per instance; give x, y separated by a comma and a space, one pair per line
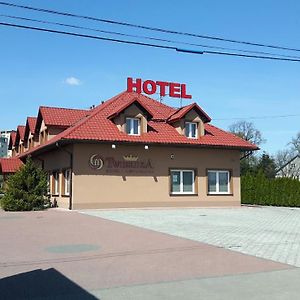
130, 163
150, 87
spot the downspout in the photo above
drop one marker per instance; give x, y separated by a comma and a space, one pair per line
71, 174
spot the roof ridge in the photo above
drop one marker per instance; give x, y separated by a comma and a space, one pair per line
176, 111
65, 108
96, 110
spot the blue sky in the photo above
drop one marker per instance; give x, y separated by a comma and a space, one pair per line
34, 66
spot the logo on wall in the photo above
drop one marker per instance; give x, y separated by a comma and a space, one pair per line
129, 163
96, 162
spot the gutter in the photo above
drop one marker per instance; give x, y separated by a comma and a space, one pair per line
71, 174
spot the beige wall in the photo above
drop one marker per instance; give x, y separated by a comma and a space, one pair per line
53, 131
119, 187
56, 160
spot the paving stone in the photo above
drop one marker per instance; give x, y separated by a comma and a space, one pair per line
268, 232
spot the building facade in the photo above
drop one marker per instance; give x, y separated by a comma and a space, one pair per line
133, 151
4, 141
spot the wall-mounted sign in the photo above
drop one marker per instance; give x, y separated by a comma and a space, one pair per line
130, 163
150, 87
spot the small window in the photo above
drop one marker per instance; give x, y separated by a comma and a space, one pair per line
218, 182
67, 182
133, 126
191, 130
55, 185
182, 182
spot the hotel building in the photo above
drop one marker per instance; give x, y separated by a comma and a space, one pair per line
131, 151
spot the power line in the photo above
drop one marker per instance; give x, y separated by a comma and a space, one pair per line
216, 38
145, 44
259, 118
87, 36
142, 37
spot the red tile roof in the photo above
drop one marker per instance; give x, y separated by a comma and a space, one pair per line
10, 165
95, 125
181, 112
129, 103
21, 132
12, 139
63, 117
31, 121
30, 126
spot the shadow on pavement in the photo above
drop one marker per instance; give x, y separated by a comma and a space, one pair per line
41, 284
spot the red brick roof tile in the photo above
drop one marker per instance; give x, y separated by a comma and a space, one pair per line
31, 121
63, 117
10, 165
30, 126
95, 125
12, 139
181, 112
20, 132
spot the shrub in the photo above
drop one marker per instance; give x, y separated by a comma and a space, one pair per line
258, 189
26, 189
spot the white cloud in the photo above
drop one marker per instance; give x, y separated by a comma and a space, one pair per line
73, 81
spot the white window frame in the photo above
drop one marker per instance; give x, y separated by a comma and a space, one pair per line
181, 192
190, 124
217, 192
131, 131
67, 178
56, 183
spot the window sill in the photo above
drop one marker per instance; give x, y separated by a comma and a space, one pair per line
65, 195
182, 195
54, 195
219, 194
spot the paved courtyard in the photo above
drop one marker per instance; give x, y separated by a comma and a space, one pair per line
268, 232
58, 254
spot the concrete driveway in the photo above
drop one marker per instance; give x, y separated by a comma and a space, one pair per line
59, 254
267, 232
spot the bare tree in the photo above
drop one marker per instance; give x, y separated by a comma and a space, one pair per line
295, 143
247, 131
282, 157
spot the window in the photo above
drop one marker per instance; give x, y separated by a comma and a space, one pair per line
66, 182
218, 182
182, 182
55, 185
133, 126
191, 130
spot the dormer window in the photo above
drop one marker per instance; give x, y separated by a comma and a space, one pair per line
191, 130
133, 126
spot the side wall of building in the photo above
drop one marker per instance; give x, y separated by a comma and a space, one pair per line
56, 161
121, 182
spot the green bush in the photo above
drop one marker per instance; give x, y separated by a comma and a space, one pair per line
26, 189
260, 190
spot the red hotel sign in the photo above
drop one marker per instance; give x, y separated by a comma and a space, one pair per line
150, 87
